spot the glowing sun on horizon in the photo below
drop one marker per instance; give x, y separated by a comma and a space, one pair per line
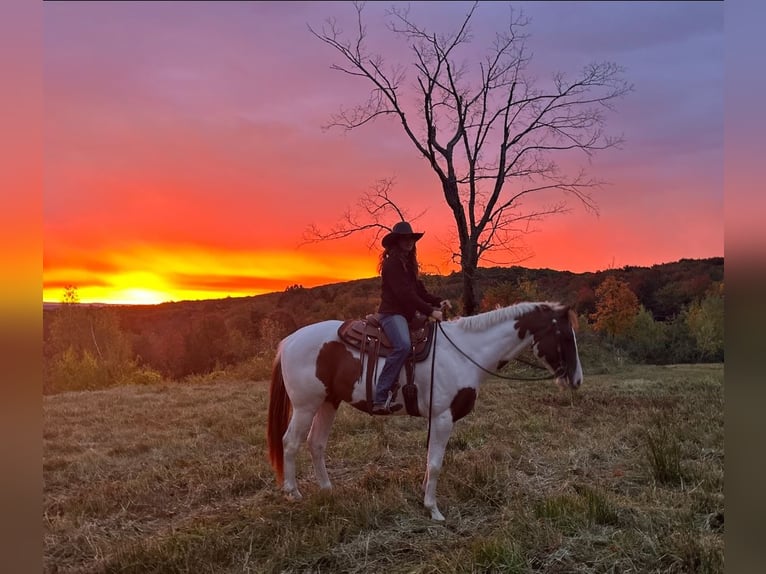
138, 296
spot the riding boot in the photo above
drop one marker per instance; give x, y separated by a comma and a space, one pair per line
387, 408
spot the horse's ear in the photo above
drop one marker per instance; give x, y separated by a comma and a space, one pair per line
573, 319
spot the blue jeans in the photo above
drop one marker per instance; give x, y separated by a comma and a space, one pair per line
398, 332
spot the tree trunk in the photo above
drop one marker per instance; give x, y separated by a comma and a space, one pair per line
468, 266
468, 251
470, 306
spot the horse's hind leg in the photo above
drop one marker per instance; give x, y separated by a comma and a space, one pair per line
294, 437
320, 432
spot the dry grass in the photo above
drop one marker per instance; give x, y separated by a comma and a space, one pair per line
625, 476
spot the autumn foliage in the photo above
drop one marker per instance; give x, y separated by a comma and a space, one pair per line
616, 307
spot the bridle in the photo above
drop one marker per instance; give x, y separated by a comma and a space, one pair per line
560, 371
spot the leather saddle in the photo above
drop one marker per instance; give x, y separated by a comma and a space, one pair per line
367, 334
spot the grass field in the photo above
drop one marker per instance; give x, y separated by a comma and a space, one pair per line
626, 475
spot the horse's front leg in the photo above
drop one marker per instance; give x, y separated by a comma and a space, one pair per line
441, 427
294, 437
320, 432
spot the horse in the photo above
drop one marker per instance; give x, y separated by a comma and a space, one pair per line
314, 371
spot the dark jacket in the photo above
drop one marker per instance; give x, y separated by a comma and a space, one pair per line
402, 292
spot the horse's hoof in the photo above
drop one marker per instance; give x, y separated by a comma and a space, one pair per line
436, 515
293, 495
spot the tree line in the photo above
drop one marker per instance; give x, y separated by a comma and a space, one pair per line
669, 313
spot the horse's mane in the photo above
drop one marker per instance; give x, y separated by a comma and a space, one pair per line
483, 321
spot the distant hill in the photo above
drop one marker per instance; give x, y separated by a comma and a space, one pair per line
186, 337
662, 288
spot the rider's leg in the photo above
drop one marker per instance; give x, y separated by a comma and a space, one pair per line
398, 333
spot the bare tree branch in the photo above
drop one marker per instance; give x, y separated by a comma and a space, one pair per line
373, 213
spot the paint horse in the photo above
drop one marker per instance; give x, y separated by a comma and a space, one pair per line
314, 371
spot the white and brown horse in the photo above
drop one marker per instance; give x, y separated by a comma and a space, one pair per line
314, 371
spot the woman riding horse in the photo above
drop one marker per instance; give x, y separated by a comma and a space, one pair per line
402, 296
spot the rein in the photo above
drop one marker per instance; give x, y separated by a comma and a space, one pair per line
431, 398
496, 374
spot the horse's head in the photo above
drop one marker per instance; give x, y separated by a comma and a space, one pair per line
553, 341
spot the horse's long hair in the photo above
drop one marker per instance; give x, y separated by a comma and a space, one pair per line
409, 259
278, 418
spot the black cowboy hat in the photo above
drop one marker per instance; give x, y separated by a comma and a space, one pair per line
401, 229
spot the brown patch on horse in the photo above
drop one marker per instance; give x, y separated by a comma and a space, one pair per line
463, 403
539, 322
338, 370
534, 321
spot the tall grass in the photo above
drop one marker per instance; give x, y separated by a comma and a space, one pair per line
174, 478
663, 450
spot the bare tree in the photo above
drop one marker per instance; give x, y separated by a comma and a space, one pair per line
488, 132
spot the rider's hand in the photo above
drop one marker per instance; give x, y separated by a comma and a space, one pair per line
445, 304
436, 314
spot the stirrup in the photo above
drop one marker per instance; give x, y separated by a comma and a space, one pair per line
385, 409
381, 410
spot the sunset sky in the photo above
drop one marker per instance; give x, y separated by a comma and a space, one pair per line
184, 155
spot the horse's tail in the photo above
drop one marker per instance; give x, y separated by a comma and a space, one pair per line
279, 414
